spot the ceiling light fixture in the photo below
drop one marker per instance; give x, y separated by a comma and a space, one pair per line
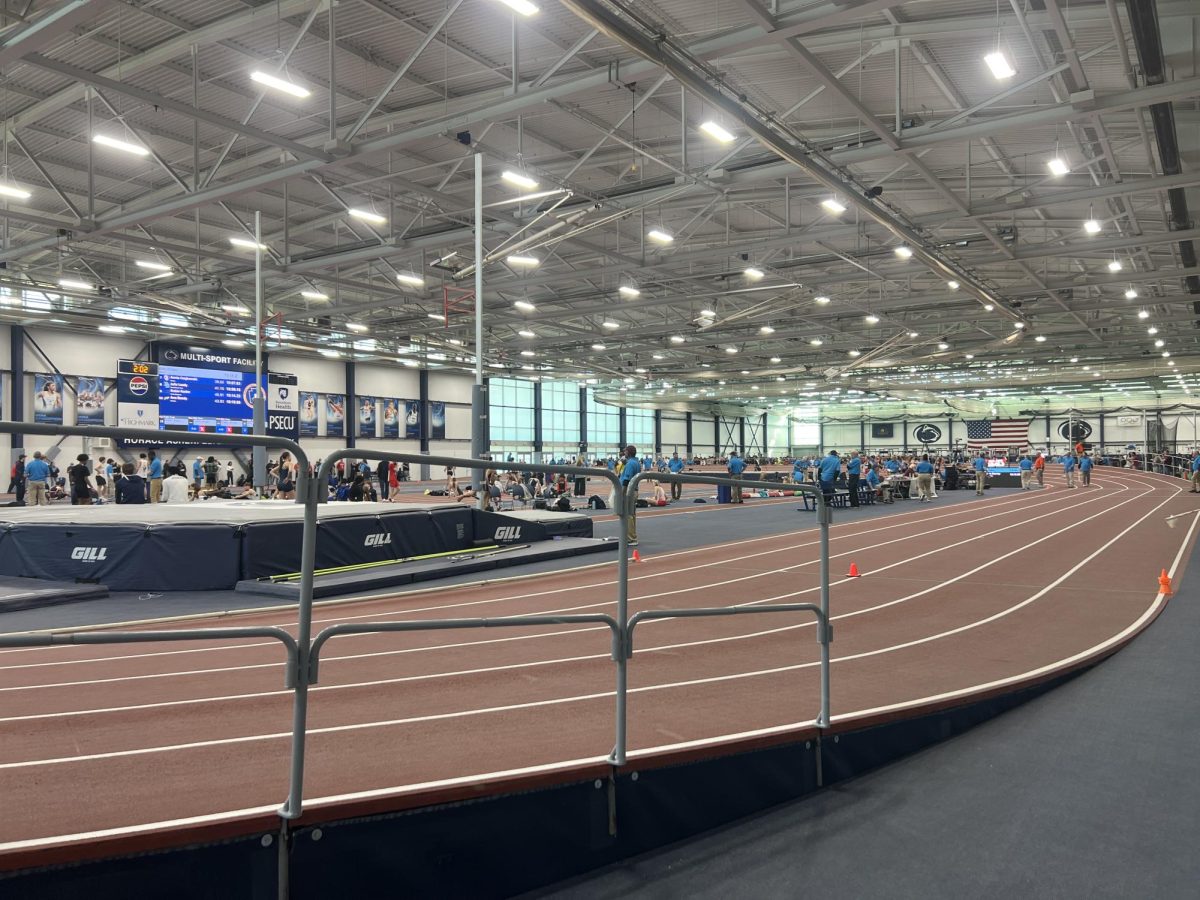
628, 290
731, 350
599, 347
766, 329
1131, 294
124, 146
367, 216
832, 205
524, 306
1041, 338
526, 333
1018, 325
516, 178
822, 300
11, 190
677, 339
314, 295
72, 285
659, 236
717, 132
246, 243
1143, 314
236, 308
610, 325
528, 353
952, 284
816, 342
437, 317
112, 329
903, 251
999, 64
1115, 265
776, 359
524, 262
855, 352
358, 327
1092, 225
1160, 343
1152, 330
871, 319
233, 342
943, 346
410, 278
153, 266
753, 274
1058, 167
989, 307
266, 79
524, 7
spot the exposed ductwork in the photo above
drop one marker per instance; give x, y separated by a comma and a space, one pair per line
1147, 39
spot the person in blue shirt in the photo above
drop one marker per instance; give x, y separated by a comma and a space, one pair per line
853, 473
36, 473
827, 473
1026, 465
198, 473
892, 465
874, 482
1085, 469
155, 473
632, 467
980, 466
798, 467
925, 479
1069, 469
735, 468
1195, 474
675, 466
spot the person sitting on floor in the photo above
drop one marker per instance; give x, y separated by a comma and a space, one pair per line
660, 495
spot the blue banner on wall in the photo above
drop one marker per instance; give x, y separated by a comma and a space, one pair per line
89, 401
412, 420
389, 412
335, 415
48, 399
366, 417
308, 414
437, 420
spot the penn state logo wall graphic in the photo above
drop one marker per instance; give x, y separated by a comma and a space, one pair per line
927, 434
170, 355
1075, 431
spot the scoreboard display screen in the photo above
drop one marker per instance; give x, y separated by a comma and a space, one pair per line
210, 401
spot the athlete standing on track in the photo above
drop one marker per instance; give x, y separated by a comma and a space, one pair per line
1069, 469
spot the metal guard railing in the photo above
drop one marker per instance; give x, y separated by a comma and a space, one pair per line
304, 651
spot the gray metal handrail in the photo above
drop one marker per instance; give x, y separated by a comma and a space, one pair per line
824, 633
824, 518
59, 638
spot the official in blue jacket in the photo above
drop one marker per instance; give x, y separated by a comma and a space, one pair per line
1026, 465
632, 467
827, 473
853, 472
1069, 469
980, 466
675, 466
736, 467
1085, 469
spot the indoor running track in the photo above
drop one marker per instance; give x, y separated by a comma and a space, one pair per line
101, 743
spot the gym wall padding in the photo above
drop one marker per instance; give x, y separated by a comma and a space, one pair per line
216, 556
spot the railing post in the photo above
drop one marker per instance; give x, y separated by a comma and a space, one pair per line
619, 496
824, 514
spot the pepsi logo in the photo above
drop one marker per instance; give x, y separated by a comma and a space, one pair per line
138, 385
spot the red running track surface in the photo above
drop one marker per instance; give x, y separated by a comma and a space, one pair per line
103, 742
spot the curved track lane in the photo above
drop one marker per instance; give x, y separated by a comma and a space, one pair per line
954, 601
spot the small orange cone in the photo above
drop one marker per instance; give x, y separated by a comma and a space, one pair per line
853, 573
637, 557
1164, 584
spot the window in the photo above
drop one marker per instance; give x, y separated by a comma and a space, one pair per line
510, 411
560, 416
639, 429
806, 434
603, 426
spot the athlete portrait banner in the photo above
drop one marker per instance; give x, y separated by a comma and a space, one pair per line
366, 417
389, 413
89, 401
48, 399
309, 416
335, 415
412, 420
437, 420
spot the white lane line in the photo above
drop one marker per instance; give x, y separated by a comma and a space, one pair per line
582, 630
573, 589
401, 790
557, 701
889, 520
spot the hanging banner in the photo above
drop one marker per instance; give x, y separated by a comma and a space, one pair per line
283, 405
308, 414
335, 415
89, 401
137, 394
366, 417
48, 399
437, 420
390, 414
412, 420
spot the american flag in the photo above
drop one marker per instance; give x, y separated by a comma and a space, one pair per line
997, 435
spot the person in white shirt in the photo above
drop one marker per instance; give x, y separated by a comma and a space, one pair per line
175, 487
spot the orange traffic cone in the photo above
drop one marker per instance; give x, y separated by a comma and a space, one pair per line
637, 557
1164, 584
853, 573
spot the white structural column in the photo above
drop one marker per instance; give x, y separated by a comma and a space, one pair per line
479, 398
